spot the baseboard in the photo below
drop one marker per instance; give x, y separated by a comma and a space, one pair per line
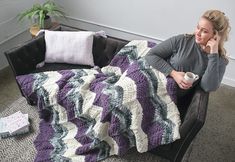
112, 31
4, 70
3, 67
228, 81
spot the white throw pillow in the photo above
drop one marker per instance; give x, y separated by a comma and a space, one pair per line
73, 47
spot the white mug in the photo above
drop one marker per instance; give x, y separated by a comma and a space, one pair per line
191, 77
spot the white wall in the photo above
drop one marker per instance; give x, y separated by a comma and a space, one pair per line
148, 19
10, 27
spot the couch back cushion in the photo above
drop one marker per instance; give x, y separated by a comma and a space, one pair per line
26, 56
104, 49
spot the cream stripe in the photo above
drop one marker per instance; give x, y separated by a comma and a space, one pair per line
142, 47
129, 98
111, 69
71, 143
172, 110
100, 129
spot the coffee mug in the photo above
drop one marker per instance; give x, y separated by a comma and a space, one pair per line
191, 77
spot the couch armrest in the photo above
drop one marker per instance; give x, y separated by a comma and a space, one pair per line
193, 121
196, 114
23, 59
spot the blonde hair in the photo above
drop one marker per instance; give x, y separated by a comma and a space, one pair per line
220, 23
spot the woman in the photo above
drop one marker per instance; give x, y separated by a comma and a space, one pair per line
202, 53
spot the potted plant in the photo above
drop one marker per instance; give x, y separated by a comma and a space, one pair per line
42, 13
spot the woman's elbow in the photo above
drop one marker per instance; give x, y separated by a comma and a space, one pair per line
208, 88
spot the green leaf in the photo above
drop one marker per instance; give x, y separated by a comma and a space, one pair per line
41, 11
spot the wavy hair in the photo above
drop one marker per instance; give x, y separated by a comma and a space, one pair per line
220, 23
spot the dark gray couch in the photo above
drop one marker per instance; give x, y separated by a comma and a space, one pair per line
193, 106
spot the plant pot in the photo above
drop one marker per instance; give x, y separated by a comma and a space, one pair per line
34, 29
47, 22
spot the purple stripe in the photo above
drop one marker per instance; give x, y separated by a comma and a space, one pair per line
143, 97
107, 115
123, 144
148, 114
114, 128
116, 133
155, 133
63, 81
82, 126
101, 100
66, 73
151, 44
121, 61
81, 136
64, 88
26, 83
42, 142
92, 157
171, 88
90, 153
64, 101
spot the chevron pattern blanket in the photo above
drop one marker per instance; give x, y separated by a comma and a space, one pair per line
96, 113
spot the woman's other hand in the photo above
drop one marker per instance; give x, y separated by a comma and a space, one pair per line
179, 78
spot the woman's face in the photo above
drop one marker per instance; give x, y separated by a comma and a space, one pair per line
203, 31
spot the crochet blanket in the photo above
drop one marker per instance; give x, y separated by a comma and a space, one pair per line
95, 113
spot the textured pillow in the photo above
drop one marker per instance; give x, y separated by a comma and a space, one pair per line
73, 47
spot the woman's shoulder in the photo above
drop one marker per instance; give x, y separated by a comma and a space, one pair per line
182, 38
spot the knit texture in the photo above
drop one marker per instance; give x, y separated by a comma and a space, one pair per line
94, 113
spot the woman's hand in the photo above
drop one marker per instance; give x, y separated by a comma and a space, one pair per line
179, 78
213, 43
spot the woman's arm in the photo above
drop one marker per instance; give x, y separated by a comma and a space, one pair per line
157, 58
158, 55
216, 66
214, 73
